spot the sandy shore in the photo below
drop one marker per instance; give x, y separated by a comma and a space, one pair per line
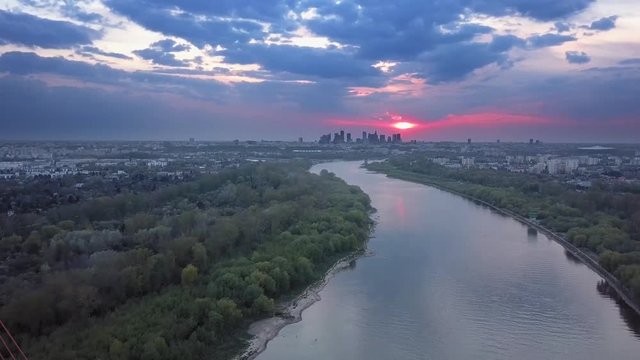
290, 312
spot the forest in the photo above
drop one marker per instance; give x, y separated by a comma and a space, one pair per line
603, 220
178, 272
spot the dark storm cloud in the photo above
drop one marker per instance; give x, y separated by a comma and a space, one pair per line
263, 10
566, 100
616, 91
199, 23
34, 110
562, 26
69, 9
577, 57
308, 61
548, 40
29, 30
540, 9
322, 95
161, 53
456, 61
604, 24
370, 30
399, 30
380, 29
501, 43
96, 51
160, 58
169, 45
21, 63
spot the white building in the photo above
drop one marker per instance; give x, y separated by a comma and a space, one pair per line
562, 166
157, 163
538, 168
467, 162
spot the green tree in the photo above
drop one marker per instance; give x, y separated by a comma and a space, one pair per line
117, 350
199, 254
67, 225
189, 274
229, 311
251, 293
33, 244
154, 349
263, 305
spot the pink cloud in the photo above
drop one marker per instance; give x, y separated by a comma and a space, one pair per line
469, 121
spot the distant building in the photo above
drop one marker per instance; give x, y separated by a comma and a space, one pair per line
553, 166
338, 138
469, 141
300, 140
156, 163
440, 161
367, 138
562, 166
467, 162
325, 139
537, 168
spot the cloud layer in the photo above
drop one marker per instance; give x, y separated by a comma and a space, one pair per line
302, 62
29, 30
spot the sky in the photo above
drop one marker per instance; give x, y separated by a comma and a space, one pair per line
281, 69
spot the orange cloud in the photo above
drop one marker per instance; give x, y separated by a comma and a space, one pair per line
404, 85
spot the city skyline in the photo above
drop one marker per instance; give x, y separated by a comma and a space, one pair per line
279, 69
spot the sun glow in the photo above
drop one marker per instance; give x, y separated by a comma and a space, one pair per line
403, 125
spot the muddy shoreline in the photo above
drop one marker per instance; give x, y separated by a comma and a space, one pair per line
290, 312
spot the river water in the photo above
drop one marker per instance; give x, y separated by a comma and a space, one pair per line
450, 279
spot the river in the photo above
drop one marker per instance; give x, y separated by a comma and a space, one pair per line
450, 279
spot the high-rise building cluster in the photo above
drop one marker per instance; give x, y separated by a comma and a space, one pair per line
367, 138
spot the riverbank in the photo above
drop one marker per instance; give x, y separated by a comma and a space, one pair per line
624, 294
290, 312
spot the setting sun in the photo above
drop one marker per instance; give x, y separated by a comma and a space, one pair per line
403, 125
